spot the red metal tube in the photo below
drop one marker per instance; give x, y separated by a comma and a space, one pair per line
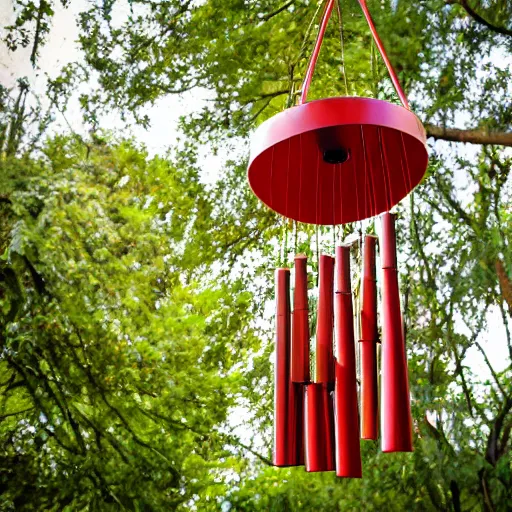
346, 418
325, 320
300, 328
369, 339
288, 397
282, 373
281, 383
319, 419
295, 446
369, 331
396, 408
369, 390
388, 241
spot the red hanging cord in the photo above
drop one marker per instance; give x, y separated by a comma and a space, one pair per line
382, 50
376, 38
316, 52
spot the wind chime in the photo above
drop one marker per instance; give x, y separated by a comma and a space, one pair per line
328, 162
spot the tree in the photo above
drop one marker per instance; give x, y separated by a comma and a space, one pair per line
115, 368
456, 228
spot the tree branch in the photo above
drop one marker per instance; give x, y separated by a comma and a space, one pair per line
15, 413
491, 369
507, 330
263, 459
446, 192
480, 19
459, 369
493, 452
455, 491
270, 15
471, 136
271, 95
488, 505
38, 34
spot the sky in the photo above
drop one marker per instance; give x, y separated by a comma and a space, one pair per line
61, 49
164, 115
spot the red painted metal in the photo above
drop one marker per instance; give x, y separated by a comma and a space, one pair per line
295, 445
369, 331
346, 418
319, 412
319, 420
300, 330
338, 160
288, 397
290, 169
388, 241
369, 338
316, 51
325, 321
376, 38
282, 384
396, 409
382, 50
369, 390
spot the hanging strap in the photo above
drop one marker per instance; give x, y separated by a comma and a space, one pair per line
316, 51
376, 38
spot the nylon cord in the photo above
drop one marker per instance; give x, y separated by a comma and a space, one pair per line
342, 44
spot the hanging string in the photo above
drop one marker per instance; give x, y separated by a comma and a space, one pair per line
291, 93
308, 33
356, 255
316, 51
357, 309
376, 38
295, 236
404, 154
373, 66
317, 195
285, 244
288, 176
318, 44
272, 175
385, 170
382, 50
407, 182
356, 187
369, 173
317, 253
334, 210
279, 246
300, 173
342, 43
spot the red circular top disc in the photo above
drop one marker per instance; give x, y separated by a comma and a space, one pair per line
337, 160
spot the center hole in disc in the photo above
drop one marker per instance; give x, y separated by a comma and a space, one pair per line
336, 156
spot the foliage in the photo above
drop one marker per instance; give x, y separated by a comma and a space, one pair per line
115, 368
134, 297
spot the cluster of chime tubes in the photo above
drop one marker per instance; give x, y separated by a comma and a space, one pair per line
317, 423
